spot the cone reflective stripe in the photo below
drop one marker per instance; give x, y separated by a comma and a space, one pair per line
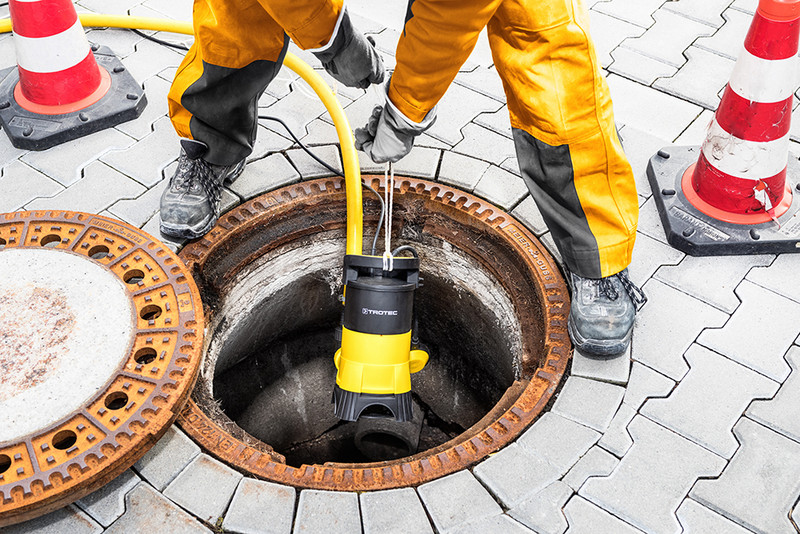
55, 61
742, 167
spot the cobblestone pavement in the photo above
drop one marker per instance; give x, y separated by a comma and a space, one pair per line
697, 429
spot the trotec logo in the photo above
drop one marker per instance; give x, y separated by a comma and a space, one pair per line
367, 311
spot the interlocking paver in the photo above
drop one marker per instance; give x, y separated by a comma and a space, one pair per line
296, 109
701, 79
121, 42
639, 12
260, 507
588, 402
482, 143
558, 440
712, 279
456, 500
782, 414
499, 523
631, 64
69, 520
668, 325
152, 227
319, 131
150, 58
528, 213
112, 7
515, 473
162, 463
107, 504
695, 133
396, 511
8, 154
639, 148
760, 485
459, 106
461, 171
616, 439
747, 6
759, 333
21, 184
608, 32
649, 255
586, 518
501, 188
485, 81
696, 518
543, 511
649, 221
180, 10
668, 38
146, 510
270, 137
728, 40
645, 383
705, 11
649, 110
331, 512
653, 478
309, 168
264, 175
146, 160
614, 370
596, 462
139, 210
204, 488
155, 89
100, 187
709, 400
421, 162
498, 121
779, 276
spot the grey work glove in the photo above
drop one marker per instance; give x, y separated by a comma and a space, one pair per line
351, 59
389, 135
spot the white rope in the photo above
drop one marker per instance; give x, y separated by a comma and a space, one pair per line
388, 259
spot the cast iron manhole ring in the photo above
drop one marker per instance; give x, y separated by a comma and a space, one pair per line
100, 345
244, 234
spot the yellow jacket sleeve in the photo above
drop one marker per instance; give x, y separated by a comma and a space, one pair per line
437, 39
309, 23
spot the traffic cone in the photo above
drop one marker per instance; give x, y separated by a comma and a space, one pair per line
62, 88
737, 196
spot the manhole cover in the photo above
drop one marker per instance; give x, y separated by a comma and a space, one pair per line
100, 341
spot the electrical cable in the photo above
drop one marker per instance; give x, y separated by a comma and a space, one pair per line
159, 41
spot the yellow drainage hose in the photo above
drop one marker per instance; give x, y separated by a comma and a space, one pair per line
352, 169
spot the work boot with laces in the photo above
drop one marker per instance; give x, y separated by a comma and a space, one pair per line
602, 313
190, 204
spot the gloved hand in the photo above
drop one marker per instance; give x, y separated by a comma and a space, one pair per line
350, 58
389, 135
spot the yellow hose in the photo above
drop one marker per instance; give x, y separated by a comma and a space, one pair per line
352, 169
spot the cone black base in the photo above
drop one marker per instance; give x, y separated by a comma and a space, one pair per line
697, 234
124, 101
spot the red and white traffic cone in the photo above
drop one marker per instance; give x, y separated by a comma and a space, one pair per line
62, 88
737, 198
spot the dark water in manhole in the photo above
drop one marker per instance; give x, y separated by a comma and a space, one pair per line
275, 374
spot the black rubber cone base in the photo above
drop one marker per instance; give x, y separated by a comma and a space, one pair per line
124, 101
695, 233
349, 405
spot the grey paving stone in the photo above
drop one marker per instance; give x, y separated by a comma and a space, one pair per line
696, 519
396, 511
456, 500
700, 79
501, 188
511, 165
21, 184
705, 11
589, 402
148, 511
528, 213
155, 89
550, 245
327, 511
260, 507
420, 162
107, 504
595, 463
296, 109
162, 463
65, 162
712, 279
139, 210
152, 228
613, 370
499, 523
782, 414
695, 133
271, 137
498, 121
558, 440
635, 66
121, 42
608, 32
639, 148
639, 12
281, 85
668, 38
777, 275
760, 485
645, 383
309, 168
709, 400
754, 338
648, 256
368, 166
461, 171
649, 110
616, 439
146, 160
542, 512
649, 221
180, 10
458, 107
485, 81
100, 187
728, 40
668, 325
69, 520
653, 478
8, 154
319, 131
747, 6
586, 518
263, 175
484, 144
516, 473
150, 58
204, 488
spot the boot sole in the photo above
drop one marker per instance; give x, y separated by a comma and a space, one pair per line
599, 347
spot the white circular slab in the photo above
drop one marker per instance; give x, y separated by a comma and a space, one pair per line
66, 327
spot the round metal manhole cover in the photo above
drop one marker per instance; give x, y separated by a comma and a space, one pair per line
101, 331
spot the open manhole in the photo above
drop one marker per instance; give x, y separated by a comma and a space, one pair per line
492, 310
